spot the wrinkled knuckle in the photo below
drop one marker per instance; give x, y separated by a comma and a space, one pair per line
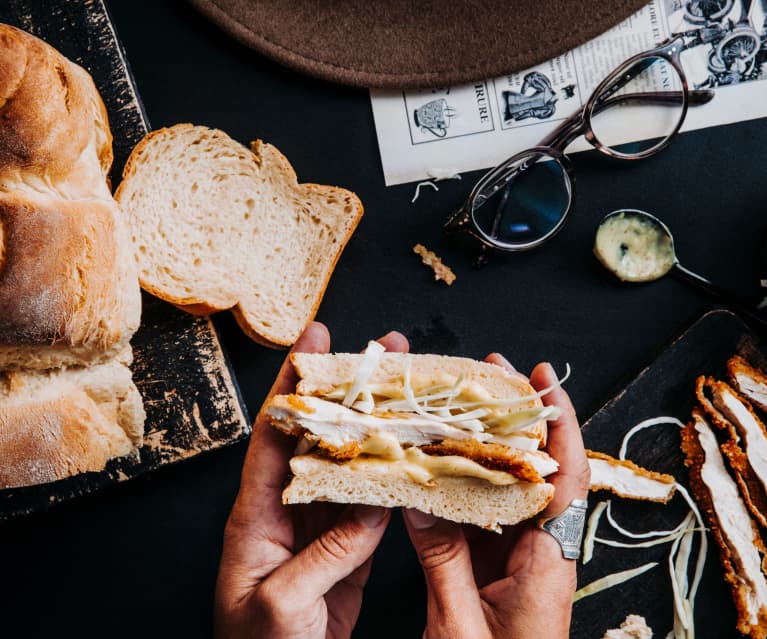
438, 555
335, 544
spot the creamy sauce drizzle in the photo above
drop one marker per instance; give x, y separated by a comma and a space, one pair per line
385, 450
633, 248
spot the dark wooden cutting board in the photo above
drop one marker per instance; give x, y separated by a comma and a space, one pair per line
665, 387
190, 394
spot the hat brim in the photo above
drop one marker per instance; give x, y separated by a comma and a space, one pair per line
405, 44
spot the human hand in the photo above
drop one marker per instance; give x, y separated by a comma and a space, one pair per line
515, 585
293, 572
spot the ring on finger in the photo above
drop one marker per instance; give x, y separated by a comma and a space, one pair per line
567, 528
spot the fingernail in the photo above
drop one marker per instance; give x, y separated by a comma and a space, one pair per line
503, 361
420, 520
370, 516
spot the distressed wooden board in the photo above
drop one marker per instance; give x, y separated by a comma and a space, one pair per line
190, 395
665, 387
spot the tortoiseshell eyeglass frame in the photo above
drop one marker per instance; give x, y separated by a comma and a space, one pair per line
553, 145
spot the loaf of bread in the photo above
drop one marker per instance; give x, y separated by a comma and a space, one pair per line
69, 295
68, 291
61, 422
217, 226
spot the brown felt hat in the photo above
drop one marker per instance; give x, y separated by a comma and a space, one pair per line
416, 43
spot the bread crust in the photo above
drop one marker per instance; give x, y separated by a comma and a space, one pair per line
69, 295
46, 138
68, 286
59, 423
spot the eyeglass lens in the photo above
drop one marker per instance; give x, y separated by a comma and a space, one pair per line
645, 100
532, 205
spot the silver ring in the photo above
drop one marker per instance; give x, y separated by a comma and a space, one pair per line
567, 528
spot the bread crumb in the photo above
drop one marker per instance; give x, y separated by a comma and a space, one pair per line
634, 627
430, 259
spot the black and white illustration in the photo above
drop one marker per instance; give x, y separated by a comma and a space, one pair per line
725, 40
434, 116
536, 99
448, 112
541, 94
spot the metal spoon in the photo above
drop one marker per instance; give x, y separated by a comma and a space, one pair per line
637, 247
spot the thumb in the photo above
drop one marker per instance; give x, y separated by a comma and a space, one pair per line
331, 557
453, 598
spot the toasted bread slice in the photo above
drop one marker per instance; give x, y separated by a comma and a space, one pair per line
217, 226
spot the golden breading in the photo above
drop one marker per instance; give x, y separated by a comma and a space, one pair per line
665, 483
430, 259
748, 380
703, 384
492, 456
346, 452
694, 459
750, 485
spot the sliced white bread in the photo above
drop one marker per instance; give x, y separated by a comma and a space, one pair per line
460, 499
217, 226
57, 423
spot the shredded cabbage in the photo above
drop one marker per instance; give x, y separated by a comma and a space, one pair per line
463, 405
655, 421
645, 544
370, 359
645, 535
524, 399
681, 549
513, 422
591, 531
609, 581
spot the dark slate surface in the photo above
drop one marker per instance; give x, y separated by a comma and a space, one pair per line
665, 388
190, 396
140, 559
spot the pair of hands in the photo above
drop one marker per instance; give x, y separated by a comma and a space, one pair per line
299, 572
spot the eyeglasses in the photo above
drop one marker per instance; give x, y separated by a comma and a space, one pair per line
524, 201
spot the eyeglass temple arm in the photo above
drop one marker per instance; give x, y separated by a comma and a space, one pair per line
695, 98
571, 128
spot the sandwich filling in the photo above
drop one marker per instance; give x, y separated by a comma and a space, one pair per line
422, 427
625, 479
750, 381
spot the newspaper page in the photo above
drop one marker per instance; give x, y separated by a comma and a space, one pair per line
435, 133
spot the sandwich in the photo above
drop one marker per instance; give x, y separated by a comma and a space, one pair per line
450, 436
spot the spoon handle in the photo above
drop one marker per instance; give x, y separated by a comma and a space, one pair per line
742, 306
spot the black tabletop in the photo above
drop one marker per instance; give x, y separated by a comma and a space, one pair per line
140, 559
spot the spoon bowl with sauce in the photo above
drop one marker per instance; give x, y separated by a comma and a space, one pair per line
637, 247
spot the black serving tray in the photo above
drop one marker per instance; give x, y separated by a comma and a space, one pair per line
189, 391
665, 387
